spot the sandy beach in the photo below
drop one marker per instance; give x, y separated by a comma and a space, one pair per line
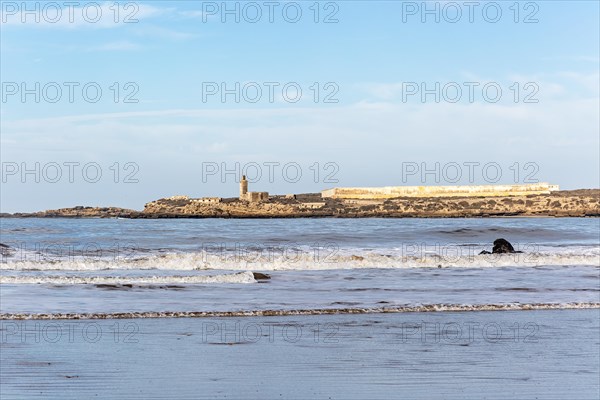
468, 355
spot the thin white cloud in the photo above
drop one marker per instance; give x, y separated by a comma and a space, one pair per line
191, 13
546, 86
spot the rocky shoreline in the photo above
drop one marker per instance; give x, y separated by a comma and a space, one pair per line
566, 203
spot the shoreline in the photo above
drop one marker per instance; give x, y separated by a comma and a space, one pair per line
430, 308
176, 216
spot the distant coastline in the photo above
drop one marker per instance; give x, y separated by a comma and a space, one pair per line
565, 203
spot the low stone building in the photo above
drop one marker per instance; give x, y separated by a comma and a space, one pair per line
178, 197
255, 197
252, 197
363, 202
208, 200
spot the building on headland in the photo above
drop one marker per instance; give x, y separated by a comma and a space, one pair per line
208, 200
252, 197
388, 192
178, 197
312, 205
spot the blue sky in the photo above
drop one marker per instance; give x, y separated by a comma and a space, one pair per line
368, 62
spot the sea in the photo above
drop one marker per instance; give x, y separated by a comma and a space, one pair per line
299, 308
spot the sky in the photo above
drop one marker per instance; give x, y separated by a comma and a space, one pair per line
122, 103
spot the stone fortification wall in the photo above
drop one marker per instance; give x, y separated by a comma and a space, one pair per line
389, 192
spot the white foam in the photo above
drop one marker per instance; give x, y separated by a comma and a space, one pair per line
320, 311
307, 261
240, 277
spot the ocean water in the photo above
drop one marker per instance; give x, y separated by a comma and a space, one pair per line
101, 268
353, 309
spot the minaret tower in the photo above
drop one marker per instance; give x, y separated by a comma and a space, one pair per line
243, 188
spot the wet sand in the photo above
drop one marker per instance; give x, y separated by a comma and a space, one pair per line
545, 354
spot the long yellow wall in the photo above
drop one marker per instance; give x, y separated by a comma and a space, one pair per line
388, 192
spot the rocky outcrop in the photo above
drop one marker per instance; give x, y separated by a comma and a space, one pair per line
501, 246
577, 203
566, 203
5, 250
81, 212
261, 276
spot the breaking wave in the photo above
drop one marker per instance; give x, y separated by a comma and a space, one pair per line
322, 311
240, 277
308, 261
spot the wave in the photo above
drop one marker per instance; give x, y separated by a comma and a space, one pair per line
509, 231
497, 229
240, 277
308, 261
322, 311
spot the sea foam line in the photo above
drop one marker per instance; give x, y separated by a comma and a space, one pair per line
202, 261
239, 277
322, 311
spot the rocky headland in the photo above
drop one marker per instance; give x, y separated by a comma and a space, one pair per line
566, 203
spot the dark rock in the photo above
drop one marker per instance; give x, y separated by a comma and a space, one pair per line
259, 276
5, 250
501, 246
